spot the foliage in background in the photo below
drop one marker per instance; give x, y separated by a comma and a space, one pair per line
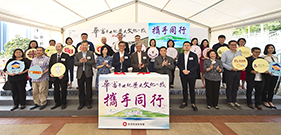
271, 26
17, 42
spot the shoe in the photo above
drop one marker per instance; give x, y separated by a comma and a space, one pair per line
217, 107
42, 107
267, 106
251, 106
63, 107
194, 107
208, 107
183, 105
171, 86
30, 89
231, 105
22, 107
238, 105
14, 108
272, 106
55, 106
80, 107
89, 106
33, 107
259, 107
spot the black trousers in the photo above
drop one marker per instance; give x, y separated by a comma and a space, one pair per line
191, 83
232, 79
19, 92
212, 92
173, 77
258, 85
60, 95
85, 97
269, 85
71, 68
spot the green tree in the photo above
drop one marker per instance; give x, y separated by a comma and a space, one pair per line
17, 42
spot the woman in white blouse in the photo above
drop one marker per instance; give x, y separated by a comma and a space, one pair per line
270, 80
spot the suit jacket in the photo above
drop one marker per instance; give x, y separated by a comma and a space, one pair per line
132, 49
65, 60
116, 62
250, 77
192, 65
170, 67
88, 65
135, 62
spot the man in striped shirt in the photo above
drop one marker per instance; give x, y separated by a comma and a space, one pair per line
40, 86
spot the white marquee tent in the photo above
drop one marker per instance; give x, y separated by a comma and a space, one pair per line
214, 16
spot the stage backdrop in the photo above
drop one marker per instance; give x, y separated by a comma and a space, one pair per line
162, 32
109, 30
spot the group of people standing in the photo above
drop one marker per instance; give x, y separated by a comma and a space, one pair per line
121, 57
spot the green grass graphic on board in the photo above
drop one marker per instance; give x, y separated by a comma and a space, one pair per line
167, 37
135, 112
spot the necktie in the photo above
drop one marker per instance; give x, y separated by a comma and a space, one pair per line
58, 58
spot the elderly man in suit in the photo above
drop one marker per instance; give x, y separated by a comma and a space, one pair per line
139, 59
61, 81
164, 64
85, 61
188, 64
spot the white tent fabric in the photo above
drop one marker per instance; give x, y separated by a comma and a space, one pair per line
216, 16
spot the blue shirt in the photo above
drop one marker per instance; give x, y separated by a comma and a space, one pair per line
90, 44
84, 55
227, 58
43, 63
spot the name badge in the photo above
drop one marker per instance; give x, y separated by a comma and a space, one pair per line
126, 57
144, 57
213, 62
62, 59
191, 58
40, 62
169, 63
89, 57
152, 60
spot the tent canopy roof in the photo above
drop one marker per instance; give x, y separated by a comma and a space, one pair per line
213, 14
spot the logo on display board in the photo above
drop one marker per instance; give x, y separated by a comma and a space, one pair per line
172, 52
35, 72
152, 53
274, 68
98, 48
221, 50
260, 65
80, 49
246, 52
15, 66
50, 50
196, 49
69, 49
30, 54
239, 62
205, 51
58, 69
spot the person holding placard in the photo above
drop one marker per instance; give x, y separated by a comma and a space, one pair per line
171, 44
69, 42
110, 51
60, 82
32, 45
204, 44
164, 64
221, 43
85, 60
212, 67
104, 63
153, 53
255, 80
84, 37
270, 80
121, 60
133, 46
232, 74
188, 64
241, 43
18, 80
139, 59
40, 86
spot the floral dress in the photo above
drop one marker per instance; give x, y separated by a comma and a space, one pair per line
104, 69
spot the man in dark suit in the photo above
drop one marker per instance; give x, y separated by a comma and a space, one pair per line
61, 81
255, 80
139, 59
164, 64
188, 64
85, 61
121, 60
133, 46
